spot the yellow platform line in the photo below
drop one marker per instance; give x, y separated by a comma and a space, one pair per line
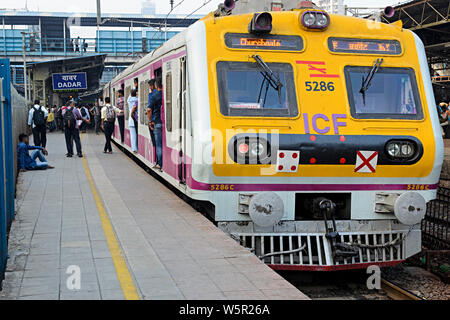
123, 273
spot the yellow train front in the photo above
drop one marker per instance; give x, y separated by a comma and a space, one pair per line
324, 145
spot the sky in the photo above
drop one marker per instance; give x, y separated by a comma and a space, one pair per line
134, 6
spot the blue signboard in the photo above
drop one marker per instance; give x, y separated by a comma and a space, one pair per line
69, 81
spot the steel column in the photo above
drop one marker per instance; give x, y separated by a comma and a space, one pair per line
6, 161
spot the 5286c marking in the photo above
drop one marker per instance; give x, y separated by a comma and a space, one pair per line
222, 187
418, 187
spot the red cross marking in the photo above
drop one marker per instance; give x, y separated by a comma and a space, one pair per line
366, 162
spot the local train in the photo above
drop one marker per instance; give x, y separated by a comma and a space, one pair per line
315, 137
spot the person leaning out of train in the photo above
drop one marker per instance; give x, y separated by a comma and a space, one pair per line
154, 113
109, 113
133, 103
37, 120
444, 118
120, 101
151, 91
25, 161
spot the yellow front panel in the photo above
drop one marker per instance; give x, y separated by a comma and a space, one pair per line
324, 102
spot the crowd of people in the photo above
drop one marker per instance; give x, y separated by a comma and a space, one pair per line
75, 118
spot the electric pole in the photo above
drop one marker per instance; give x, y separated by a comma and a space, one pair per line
25, 84
99, 22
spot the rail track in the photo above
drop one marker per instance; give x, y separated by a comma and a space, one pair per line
395, 292
345, 285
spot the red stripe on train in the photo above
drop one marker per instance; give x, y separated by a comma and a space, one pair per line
290, 267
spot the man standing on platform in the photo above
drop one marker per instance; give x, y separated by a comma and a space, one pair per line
72, 120
109, 113
37, 120
97, 116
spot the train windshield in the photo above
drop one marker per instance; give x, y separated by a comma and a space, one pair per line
245, 89
392, 94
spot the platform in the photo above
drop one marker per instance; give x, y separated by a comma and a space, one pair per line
130, 236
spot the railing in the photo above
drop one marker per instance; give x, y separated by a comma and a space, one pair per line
13, 45
6, 162
439, 79
435, 226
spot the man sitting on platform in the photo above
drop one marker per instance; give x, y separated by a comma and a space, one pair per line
25, 162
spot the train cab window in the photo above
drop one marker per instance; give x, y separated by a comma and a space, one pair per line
391, 94
168, 101
246, 90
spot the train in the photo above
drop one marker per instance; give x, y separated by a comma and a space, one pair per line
314, 137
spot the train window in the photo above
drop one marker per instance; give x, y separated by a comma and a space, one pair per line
392, 94
143, 98
168, 101
244, 90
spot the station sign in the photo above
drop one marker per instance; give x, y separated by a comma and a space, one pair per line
69, 81
268, 42
365, 46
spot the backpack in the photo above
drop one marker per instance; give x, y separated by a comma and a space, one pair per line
110, 114
83, 112
39, 117
69, 118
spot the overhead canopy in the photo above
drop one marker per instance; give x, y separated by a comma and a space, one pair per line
430, 20
92, 64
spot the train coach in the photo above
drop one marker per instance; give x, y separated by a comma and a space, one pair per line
315, 137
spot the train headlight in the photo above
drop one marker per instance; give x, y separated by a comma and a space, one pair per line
309, 19
257, 149
315, 19
322, 20
393, 149
401, 149
407, 150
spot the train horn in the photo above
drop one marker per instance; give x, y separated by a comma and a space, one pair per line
225, 8
389, 11
229, 4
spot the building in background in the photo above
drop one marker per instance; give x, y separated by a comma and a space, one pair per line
332, 6
148, 8
245, 6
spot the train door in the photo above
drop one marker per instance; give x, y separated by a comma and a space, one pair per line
182, 122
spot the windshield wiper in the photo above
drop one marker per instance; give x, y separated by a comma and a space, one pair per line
270, 77
366, 82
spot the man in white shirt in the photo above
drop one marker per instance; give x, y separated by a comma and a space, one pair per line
109, 114
37, 120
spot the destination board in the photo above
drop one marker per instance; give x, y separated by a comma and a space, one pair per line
270, 42
365, 46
